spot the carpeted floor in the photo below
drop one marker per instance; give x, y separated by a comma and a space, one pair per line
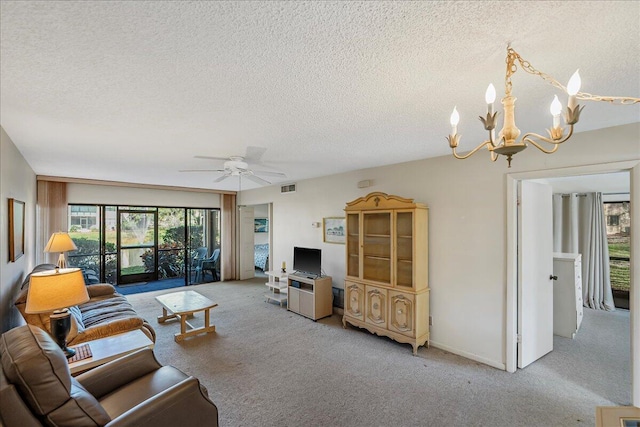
265, 366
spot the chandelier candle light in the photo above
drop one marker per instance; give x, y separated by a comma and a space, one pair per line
508, 143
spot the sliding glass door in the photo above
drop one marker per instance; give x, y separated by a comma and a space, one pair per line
125, 245
137, 236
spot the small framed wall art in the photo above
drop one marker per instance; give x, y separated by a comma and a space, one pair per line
334, 229
260, 225
16, 229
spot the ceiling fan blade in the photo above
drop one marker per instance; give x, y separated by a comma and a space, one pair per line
211, 158
254, 154
256, 179
222, 178
267, 173
202, 170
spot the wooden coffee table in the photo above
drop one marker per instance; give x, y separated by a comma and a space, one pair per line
183, 304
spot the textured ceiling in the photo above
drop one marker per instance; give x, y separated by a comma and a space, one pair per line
132, 91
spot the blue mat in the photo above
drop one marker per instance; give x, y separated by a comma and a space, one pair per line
137, 288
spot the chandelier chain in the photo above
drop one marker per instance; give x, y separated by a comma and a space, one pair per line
512, 56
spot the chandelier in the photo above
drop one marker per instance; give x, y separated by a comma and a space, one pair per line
508, 143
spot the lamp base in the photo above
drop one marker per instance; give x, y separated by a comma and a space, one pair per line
60, 322
62, 262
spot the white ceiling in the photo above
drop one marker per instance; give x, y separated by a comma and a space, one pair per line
132, 91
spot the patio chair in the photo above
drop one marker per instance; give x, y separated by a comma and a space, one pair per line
199, 255
212, 265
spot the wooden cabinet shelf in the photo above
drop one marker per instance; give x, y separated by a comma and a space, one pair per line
386, 288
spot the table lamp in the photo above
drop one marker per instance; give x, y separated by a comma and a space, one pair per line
55, 290
60, 242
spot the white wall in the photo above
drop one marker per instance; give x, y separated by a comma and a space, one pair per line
17, 181
108, 194
467, 227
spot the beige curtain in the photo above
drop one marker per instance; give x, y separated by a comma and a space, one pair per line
228, 243
51, 216
579, 227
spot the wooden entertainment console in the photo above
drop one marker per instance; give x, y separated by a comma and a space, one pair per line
312, 298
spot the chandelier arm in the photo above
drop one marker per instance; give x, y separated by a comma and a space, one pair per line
619, 100
527, 67
470, 153
556, 143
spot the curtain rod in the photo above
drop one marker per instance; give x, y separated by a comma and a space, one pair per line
585, 194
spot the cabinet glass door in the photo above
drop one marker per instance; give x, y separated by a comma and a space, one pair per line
353, 245
377, 246
404, 249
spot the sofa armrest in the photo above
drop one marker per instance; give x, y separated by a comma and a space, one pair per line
100, 289
112, 375
181, 404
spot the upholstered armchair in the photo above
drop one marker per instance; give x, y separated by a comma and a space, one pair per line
36, 388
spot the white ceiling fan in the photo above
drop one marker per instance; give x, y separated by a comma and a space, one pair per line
239, 166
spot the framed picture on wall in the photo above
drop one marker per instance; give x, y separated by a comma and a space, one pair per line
334, 229
16, 229
260, 225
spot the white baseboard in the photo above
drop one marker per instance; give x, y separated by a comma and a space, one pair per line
492, 363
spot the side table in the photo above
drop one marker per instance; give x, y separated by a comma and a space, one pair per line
106, 349
277, 285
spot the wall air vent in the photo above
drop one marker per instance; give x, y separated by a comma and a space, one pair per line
289, 188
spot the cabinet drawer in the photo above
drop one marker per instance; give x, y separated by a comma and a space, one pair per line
402, 311
376, 306
354, 300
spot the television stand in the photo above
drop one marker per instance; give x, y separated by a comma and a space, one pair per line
310, 297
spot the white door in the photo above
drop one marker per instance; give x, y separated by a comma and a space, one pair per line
535, 268
246, 221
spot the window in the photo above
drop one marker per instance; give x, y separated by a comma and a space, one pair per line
120, 244
618, 236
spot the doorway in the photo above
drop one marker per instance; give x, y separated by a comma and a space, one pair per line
255, 240
513, 248
137, 234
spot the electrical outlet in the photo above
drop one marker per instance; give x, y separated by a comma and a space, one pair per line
430, 321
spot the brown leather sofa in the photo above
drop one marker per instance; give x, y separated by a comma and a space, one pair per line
106, 313
37, 389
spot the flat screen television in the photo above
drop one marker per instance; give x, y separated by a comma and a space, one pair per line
307, 261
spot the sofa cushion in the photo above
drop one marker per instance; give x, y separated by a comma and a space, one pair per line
98, 311
35, 365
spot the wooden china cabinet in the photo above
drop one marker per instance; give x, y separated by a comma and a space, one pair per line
386, 286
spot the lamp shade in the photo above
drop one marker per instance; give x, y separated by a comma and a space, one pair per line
56, 289
60, 242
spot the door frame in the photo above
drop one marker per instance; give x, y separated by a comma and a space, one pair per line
139, 277
633, 167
